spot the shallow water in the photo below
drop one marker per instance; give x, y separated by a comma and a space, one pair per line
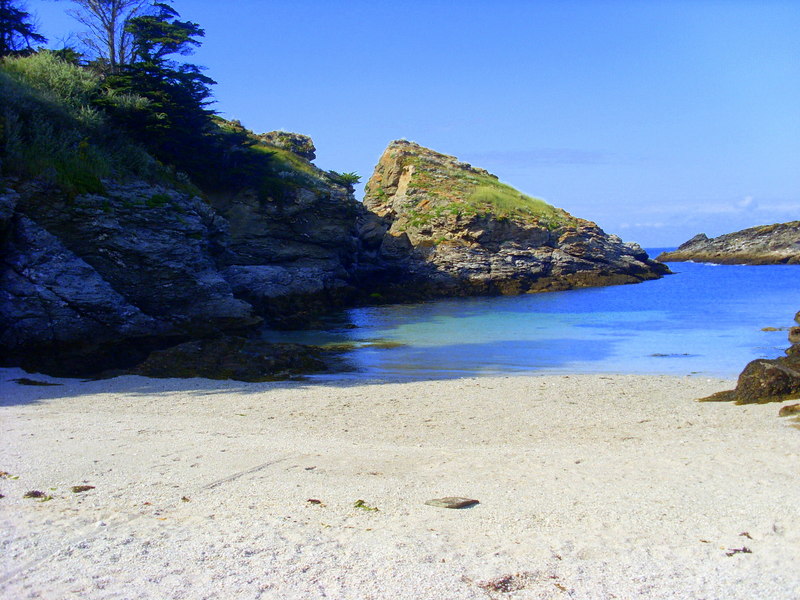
704, 320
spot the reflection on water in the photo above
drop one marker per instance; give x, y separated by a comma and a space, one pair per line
705, 319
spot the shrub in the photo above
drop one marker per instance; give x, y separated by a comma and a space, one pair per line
49, 129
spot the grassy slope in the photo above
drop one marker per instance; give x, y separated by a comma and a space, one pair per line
463, 192
49, 129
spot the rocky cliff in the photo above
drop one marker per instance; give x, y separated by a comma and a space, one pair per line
96, 281
765, 245
436, 226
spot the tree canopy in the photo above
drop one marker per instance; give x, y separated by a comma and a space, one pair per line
17, 32
106, 37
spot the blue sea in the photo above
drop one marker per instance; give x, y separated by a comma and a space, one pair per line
704, 320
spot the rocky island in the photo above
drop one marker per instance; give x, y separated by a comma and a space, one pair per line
437, 226
764, 245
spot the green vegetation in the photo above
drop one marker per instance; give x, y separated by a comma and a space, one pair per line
441, 192
49, 128
346, 179
364, 506
128, 110
504, 202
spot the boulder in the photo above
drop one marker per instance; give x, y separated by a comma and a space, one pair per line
766, 380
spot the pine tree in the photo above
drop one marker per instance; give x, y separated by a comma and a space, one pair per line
17, 32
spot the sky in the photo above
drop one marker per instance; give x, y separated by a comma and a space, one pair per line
656, 119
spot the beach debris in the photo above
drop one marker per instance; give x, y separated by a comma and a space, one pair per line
185, 499
505, 584
745, 534
26, 381
310, 468
452, 502
315, 501
2, 496
37, 494
364, 506
742, 550
7, 475
77, 489
791, 409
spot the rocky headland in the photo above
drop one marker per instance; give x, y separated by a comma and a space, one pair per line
435, 226
136, 272
764, 245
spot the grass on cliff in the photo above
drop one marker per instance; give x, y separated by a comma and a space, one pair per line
49, 129
468, 193
504, 202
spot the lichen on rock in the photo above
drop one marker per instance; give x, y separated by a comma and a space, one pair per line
441, 227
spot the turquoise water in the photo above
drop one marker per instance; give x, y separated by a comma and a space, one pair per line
705, 319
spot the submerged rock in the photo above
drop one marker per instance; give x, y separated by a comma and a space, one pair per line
439, 227
764, 245
232, 357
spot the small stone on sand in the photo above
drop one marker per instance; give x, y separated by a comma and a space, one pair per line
452, 502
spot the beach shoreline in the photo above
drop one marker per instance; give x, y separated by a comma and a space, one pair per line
590, 486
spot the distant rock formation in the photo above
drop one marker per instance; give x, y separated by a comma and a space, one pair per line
768, 380
437, 226
765, 245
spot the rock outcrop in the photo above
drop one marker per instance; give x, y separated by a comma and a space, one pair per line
765, 245
437, 227
97, 281
292, 244
768, 380
299, 144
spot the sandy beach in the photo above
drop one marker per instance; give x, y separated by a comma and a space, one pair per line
590, 487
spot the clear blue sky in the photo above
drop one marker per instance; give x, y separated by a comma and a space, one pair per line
656, 119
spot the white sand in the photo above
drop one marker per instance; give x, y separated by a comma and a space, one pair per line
589, 487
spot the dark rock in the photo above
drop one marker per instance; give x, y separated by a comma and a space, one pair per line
54, 305
291, 251
232, 357
763, 245
794, 335
765, 380
153, 245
